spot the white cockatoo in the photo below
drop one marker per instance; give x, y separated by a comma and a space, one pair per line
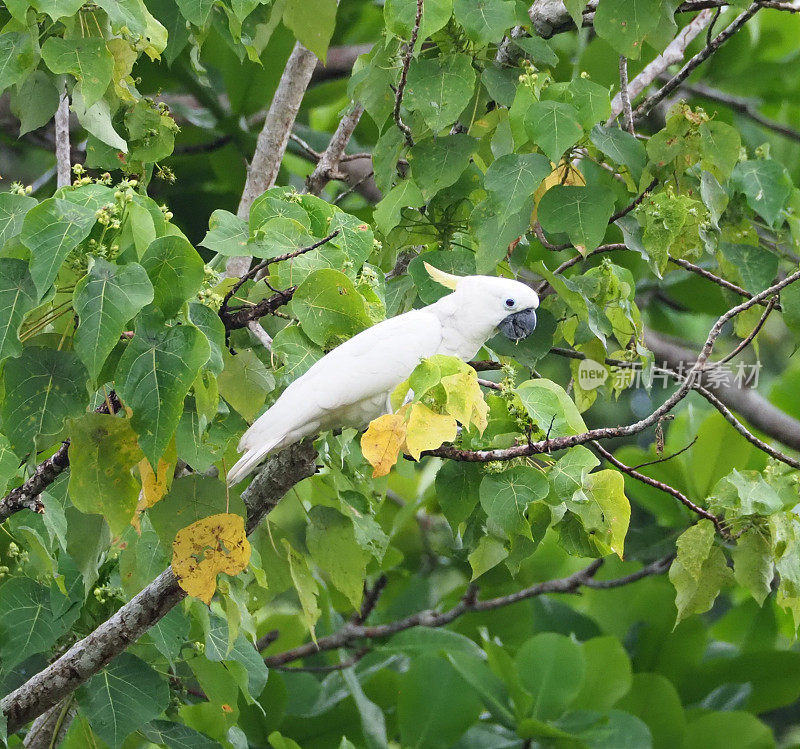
351, 385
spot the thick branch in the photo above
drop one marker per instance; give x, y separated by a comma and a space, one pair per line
63, 166
274, 136
328, 163
88, 656
352, 633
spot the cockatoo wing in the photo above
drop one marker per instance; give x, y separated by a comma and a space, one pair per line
343, 386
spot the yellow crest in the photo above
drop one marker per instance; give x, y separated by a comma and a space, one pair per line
445, 279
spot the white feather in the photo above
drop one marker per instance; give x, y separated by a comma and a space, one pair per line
350, 386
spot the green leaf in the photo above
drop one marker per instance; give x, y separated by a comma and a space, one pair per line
621, 147
195, 11
608, 674
387, 213
766, 185
124, 696
35, 101
102, 452
476, 672
191, 498
440, 88
514, 178
312, 22
17, 297
329, 308
176, 735
153, 377
583, 212
399, 17
568, 474
719, 144
485, 20
553, 126
458, 261
28, 623
752, 563
457, 486
489, 552
57, 8
744, 493
435, 705
604, 510
653, 699
16, 58
699, 571
206, 320
625, 23
240, 656
790, 308
86, 58
97, 121
436, 164
726, 729
13, 208
296, 350
43, 388
494, 228
592, 102
245, 382
305, 585
50, 230
106, 299
548, 404
176, 271
552, 669
756, 266
331, 542
538, 50
505, 497
227, 234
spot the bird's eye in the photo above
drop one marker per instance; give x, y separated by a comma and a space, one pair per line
510, 303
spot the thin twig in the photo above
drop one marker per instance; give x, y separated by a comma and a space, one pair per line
746, 342
401, 87
634, 203
665, 458
350, 634
661, 486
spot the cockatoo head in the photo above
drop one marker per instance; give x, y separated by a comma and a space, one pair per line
510, 306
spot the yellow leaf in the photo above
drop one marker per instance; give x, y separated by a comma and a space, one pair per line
465, 400
563, 174
154, 485
207, 547
427, 430
381, 443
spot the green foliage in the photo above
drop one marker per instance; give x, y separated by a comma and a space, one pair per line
101, 291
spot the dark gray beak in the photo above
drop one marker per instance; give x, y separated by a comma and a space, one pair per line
519, 325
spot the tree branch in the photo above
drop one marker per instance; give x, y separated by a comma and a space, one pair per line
647, 105
63, 166
352, 633
88, 656
666, 488
401, 87
331, 157
625, 99
673, 53
271, 144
